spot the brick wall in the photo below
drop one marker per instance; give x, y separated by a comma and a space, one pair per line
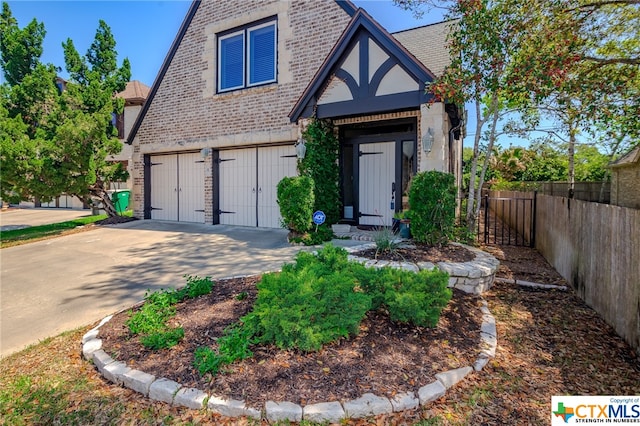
625, 186
186, 113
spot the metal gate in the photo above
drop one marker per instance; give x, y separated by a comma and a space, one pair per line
507, 221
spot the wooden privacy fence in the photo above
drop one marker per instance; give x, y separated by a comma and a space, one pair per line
596, 248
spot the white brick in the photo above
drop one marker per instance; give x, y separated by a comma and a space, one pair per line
91, 346
283, 411
115, 371
232, 408
451, 377
138, 381
431, 392
190, 398
367, 405
331, 412
164, 390
404, 401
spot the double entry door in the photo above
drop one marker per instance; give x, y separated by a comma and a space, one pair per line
376, 175
248, 180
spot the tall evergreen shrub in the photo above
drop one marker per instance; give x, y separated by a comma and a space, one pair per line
296, 201
321, 165
432, 200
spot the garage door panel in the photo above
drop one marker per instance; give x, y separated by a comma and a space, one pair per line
238, 187
191, 193
273, 164
164, 185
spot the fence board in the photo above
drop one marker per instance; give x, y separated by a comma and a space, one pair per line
596, 248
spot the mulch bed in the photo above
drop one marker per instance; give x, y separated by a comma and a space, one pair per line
549, 343
385, 358
418, 252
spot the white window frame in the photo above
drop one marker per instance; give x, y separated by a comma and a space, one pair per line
246, 32
244, 65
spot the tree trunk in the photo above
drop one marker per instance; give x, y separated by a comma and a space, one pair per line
471, 200
492, 138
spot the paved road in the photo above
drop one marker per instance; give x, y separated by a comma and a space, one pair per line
15, 218
59, 284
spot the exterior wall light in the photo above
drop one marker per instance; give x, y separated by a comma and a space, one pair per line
301, 148
204, 152
427, 140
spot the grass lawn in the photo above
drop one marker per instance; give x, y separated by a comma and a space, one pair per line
16, 237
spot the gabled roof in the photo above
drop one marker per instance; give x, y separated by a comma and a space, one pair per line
346, 5
134, 92
163, 69
428, 44
630, 158
361, 22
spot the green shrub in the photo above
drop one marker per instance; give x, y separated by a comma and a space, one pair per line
163, 339
432, 198
417, 298
322, 297
321, 164
308, 304
206, 360
315, 236
196, 286
296, 201
150, 320
151, 317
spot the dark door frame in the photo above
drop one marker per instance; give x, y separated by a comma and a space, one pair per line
354, 143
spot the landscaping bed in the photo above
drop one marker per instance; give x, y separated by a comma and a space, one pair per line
385, 358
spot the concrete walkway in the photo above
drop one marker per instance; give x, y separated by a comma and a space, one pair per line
59, 284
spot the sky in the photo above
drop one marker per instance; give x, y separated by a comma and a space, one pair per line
144, 30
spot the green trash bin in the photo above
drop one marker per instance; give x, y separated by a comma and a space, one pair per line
120, 200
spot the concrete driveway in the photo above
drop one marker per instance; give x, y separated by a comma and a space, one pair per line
59, 284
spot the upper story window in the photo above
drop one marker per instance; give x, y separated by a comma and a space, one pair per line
247, 56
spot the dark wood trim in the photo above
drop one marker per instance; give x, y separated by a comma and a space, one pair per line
379, 75
379, 104
215, 185
362, 26
147, 186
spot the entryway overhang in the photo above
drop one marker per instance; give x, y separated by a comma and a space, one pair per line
367, 72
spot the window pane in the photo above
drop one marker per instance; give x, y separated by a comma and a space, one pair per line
262, 55
231, 62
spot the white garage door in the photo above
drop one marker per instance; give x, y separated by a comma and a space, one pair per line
177, 187
248, 184
238, 187
273, 164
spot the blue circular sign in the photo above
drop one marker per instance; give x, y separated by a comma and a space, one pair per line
319, 217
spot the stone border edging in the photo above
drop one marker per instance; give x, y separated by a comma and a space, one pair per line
173, 393
475, 276
530, 284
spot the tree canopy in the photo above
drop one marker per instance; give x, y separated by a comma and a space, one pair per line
56, 135
574, 62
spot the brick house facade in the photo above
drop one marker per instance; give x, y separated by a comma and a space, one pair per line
211, 150
625, 180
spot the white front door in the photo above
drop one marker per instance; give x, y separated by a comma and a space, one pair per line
376, 183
